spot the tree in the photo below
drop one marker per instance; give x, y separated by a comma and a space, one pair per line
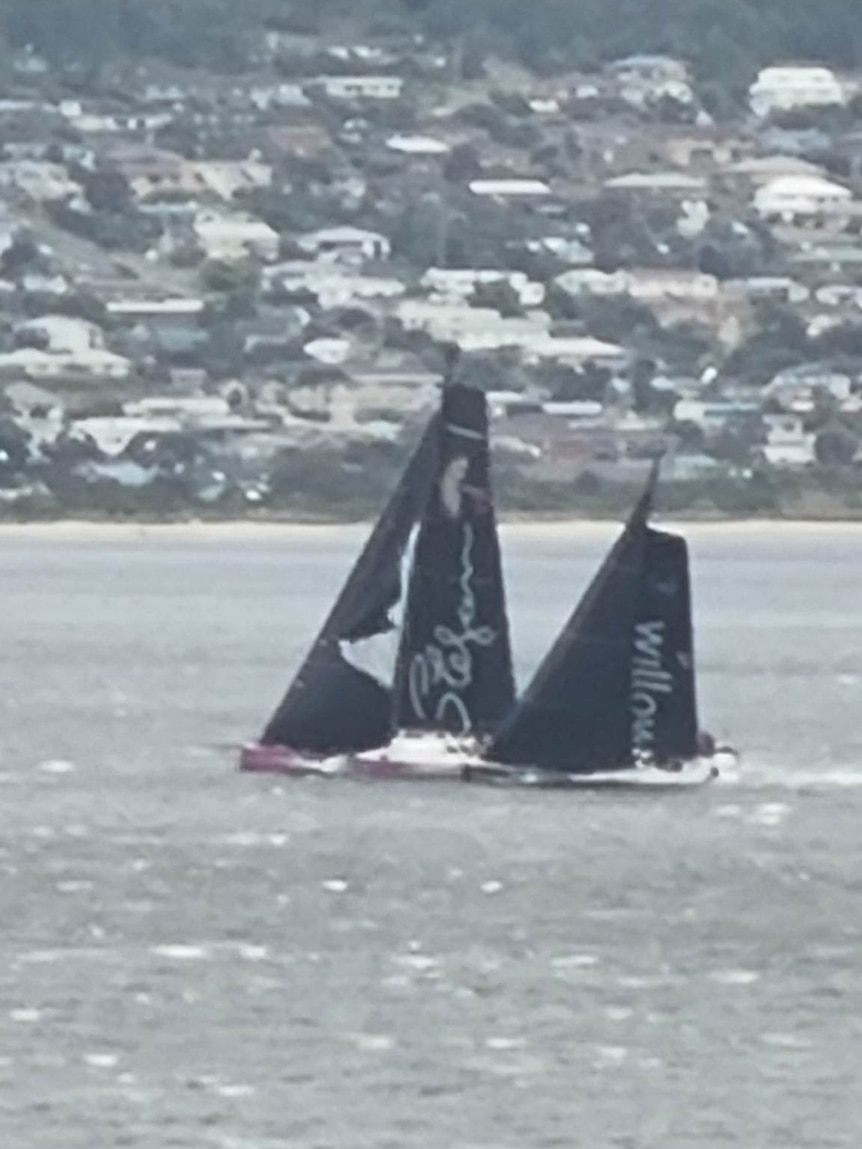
228, 278
836, 446
499, 296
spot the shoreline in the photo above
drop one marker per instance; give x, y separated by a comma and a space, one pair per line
275, 530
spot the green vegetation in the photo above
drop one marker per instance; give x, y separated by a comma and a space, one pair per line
726, 39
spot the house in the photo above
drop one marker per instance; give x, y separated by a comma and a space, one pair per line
361, 87
809, 200
417, 145
787, 87
670, 185
788, 444
93, 363
333, 284
513, 189
37, 180
704, 149
590, 281
654, 285
796, 389
474, 328
62, 333
461, 283
829, 257
235, 237
172, 311
346, 243
574, 351
296, 141
780, 288
759, 170
647, 79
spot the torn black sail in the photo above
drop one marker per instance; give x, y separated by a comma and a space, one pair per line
333, 706
454, 668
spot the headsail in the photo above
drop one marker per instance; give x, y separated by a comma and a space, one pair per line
455, 663
663, 696
332, 706
576, 714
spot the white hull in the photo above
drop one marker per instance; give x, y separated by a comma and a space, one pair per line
692, 774
433, 757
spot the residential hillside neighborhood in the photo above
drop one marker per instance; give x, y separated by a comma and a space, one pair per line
237, 293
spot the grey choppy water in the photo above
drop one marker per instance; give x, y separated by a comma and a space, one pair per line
193, 959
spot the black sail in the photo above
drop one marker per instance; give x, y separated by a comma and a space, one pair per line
454, 668
332, 706
663, 696
576, 713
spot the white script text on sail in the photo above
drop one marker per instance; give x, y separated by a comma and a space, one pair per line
442, 673
649, 682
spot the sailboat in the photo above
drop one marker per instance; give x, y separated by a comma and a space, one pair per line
614, 702
430, 576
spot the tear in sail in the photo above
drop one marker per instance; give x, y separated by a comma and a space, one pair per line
332, 706
454, 669
617, 688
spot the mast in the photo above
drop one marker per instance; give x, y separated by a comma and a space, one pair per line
454, 668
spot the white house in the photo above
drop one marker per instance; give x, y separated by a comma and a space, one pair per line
792, 199
510, 188
653, 285
646, 79
346, 242
785, 87
64, 333
788, 444
362, 87
460, 283
417, 145
234, 237
473, 328
95, 363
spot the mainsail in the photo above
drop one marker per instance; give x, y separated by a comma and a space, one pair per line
332, 706
617, 688
454, 669
663, 696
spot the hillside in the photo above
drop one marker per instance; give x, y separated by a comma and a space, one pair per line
725, 39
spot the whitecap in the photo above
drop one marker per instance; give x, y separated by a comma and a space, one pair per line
770, 814
618, 1013
180, 952
235, 1091
372, 1042
57, 766
611, 1054
249, 952
25, 1015
785, 1041
335, 885
503, 1043
492, 887
74, 886
735, 976
575, 961
101, 1060
727, 811
421, 962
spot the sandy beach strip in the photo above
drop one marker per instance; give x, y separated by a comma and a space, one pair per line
86, 532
